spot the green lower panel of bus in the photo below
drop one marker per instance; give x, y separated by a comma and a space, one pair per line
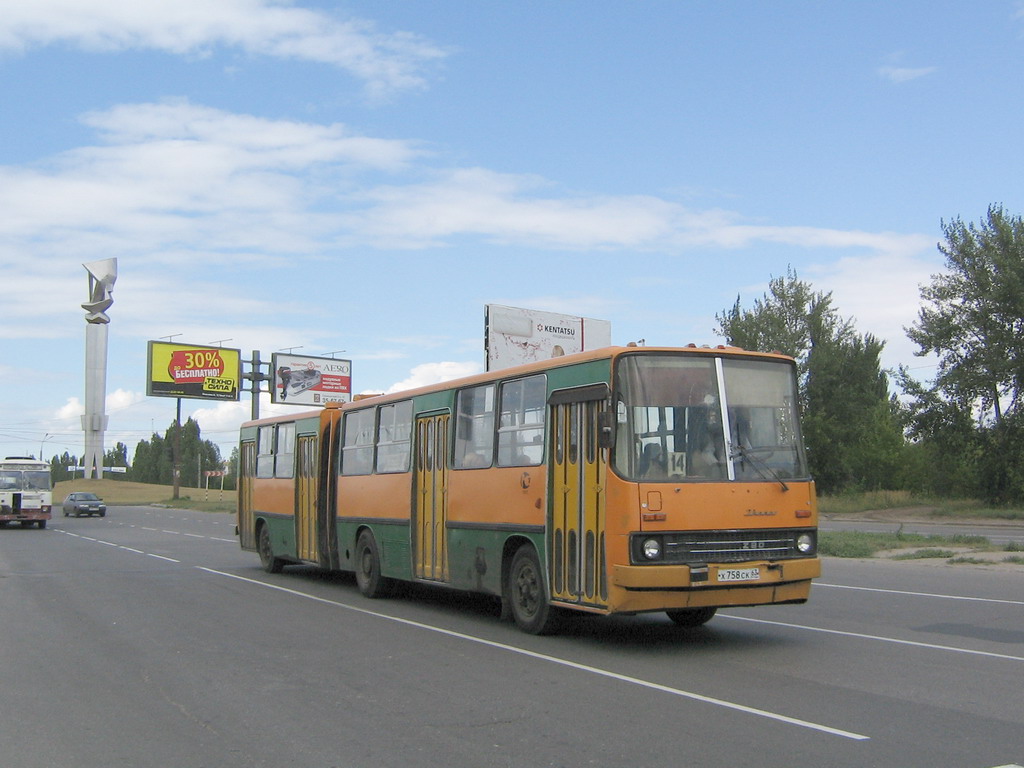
392, 538
477, 556
282, 532
471, 558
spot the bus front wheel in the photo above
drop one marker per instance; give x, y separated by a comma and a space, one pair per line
691, 617
368, 577
527, 595
265, 547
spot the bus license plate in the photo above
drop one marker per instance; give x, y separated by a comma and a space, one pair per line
739, 574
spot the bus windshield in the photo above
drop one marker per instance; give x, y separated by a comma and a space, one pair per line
24, 480
685, 418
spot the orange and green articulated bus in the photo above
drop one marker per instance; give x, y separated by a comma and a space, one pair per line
622, 480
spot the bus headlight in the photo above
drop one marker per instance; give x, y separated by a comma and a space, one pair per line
651, 549
805, 544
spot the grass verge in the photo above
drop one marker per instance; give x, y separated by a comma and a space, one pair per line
115, 492
914, 546
873, 501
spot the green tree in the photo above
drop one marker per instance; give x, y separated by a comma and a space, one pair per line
943, 455
973, 321
59, 471
973, 317
152, 463
851, 423
154, 458
116, 457
231, 480
790, 318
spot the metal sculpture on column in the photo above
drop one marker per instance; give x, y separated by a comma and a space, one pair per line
102, 275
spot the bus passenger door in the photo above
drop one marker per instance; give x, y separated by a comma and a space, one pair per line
327, 529
430, 534
306, 475
246, 475
576, 542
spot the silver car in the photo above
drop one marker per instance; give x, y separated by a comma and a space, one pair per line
81, 503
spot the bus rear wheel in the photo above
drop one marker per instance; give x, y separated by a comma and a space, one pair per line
692, 617
527, 595
368, 577
265, 547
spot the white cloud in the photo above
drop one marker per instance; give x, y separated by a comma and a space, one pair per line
385, 62
181, 173
434, 373
904, 74
187, 195
120, 399
508, 208
522, 210
177, 178
72, 409
881, 293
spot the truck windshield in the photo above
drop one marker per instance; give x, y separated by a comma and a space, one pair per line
688, 418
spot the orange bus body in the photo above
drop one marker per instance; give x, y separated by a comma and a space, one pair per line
559, 516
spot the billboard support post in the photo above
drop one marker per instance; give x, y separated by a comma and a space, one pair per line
255, 376
176, 453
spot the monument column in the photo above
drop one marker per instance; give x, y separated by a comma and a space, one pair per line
102, 275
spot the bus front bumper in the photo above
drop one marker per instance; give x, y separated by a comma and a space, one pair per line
640, 588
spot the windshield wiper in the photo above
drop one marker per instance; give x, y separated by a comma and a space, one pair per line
762, 467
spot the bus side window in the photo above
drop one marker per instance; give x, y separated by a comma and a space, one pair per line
394, 436
521, 426
474, 428
265, 452
357, 450
285, 450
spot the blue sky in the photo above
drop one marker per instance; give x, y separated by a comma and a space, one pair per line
366, 176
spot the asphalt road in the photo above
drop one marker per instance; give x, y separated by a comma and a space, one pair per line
147, 638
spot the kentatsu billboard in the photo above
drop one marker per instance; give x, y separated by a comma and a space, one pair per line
299, 380
193, 371
514, 336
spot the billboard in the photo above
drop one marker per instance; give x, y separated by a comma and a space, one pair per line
300, 380
193, 371
514, 336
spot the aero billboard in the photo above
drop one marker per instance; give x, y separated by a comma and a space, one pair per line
299, 380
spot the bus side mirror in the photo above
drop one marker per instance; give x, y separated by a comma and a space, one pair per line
606, 429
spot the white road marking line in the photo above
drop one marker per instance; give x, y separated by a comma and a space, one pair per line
118, 546
879, 638
555, 660
921, 594
161, 557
